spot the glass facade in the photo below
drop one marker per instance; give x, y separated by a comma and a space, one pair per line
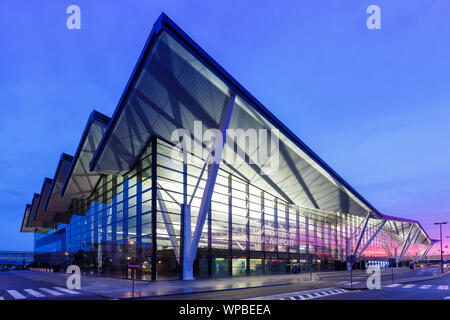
248, 231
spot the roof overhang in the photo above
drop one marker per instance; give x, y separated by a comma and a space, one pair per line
80, 182
39, 215
31, 224
423, 235
55, 205
24, 227
175, 83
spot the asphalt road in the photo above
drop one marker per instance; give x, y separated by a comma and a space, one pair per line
15, 287
336, 287
331, 286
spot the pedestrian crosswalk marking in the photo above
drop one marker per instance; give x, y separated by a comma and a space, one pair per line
15, 294
423, 287
34, 293
52, 292
300, 296
334, 291
426, 286
65, 290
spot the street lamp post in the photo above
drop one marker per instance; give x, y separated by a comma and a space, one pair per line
448, 237
440, 231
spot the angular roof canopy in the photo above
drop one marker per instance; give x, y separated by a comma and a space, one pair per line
174, 83
38, 214
24, 227
80, 182
31, 221
55, 205
38, 226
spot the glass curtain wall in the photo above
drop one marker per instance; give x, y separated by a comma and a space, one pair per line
248, 231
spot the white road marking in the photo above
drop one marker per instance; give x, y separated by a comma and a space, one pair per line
426, 286
335, 291
443, 288
1, 298
319, 294
349, 283
447, 298
301, 295
15, 294
66, 290
52, 292
408, 286
34, 293
393, 285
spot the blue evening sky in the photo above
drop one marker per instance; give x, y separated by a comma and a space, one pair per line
374, 104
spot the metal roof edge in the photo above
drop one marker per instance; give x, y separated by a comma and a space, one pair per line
157, 27
46, 181
63, 157
27, 207
95, 115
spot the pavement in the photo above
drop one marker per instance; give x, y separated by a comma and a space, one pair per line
19, 285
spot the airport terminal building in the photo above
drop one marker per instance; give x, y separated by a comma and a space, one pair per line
129, 192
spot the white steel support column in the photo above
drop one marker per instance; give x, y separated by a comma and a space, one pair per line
396, 257
169, 226
187, 241
408, 242
371, 239
347, 252
361, 235
191, 243
426, 251
405, 242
